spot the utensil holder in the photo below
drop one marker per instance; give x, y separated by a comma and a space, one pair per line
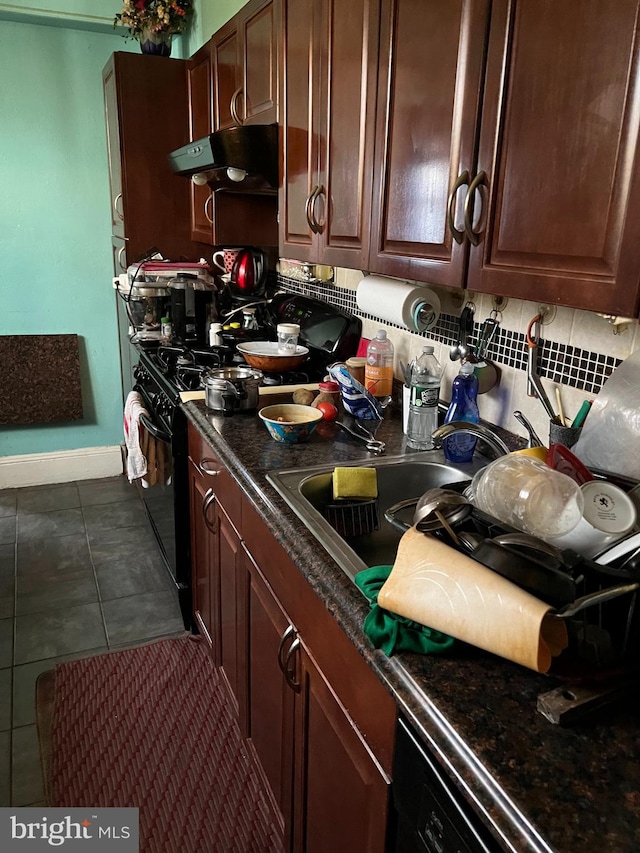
563, 435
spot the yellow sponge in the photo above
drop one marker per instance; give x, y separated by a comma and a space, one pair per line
355, 483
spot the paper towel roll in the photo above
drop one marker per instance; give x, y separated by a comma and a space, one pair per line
415, 306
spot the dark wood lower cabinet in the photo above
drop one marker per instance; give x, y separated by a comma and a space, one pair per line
201, 543
319, 724
220, 587
341, 791
272, 702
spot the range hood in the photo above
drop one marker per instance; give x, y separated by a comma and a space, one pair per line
244, 157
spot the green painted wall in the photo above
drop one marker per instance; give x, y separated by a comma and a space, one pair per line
213, 14
55, 248
55, 254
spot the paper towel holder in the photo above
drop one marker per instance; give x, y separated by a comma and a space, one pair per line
425, 316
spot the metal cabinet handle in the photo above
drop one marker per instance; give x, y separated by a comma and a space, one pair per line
209, 498
289, 632
206, 205
476, 183
122, 266
462, 180
119, 214
234, 105
290, 671
307, 208
319, 192
203, 467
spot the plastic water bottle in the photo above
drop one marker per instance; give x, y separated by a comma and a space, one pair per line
426, 373
378, 370
463, 407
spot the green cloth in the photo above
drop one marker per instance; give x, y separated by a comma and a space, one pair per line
393, 633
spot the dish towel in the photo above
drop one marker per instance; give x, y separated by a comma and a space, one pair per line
136, 460
158, 457
393, 633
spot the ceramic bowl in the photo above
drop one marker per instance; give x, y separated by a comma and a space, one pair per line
290, 423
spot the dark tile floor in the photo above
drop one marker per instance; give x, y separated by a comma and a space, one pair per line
80, 573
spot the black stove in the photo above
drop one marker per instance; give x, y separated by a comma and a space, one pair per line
163, 372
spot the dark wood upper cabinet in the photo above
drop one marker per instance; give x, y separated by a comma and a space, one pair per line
149, 204
327, 106
257, 101
244, 66
224, 69
531, 191
559, 207
200, 124
506, 139
223, 217
431, 64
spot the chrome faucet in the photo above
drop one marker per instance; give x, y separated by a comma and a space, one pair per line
494, 442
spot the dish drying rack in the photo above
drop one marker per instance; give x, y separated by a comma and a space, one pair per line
600, 664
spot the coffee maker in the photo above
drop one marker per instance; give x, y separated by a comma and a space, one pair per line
192, 309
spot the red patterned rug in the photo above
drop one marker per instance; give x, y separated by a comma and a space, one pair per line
154, 727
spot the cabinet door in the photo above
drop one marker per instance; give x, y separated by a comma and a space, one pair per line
328, 107
256, 102
558, 150
224, 58
271, 698
341, 208
202, 534
233, 612
342, 794
146, 108
432, 57
200, 124
299, 143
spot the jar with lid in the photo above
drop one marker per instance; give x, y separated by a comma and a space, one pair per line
328, 392
355, 366
249, 320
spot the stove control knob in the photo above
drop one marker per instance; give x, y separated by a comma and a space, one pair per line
163, 405
139, 373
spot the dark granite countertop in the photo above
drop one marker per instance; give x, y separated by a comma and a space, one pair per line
536, 785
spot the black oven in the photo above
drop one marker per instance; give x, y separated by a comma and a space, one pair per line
167, 423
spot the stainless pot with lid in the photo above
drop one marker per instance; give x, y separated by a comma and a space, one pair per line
232, 389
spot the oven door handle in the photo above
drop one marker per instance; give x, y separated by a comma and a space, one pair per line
153, 430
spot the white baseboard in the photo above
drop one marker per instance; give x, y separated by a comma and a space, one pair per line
61, 466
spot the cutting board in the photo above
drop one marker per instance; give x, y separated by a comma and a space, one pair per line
40, 379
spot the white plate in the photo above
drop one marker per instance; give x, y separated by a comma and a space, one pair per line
620, 549
268, 348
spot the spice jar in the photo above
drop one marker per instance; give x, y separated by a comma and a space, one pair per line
328, 392
355, 366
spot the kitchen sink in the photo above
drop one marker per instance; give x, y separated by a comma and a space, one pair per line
308, 491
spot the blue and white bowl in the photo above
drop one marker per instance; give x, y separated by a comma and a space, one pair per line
290, 423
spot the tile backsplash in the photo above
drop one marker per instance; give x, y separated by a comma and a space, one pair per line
578, 350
